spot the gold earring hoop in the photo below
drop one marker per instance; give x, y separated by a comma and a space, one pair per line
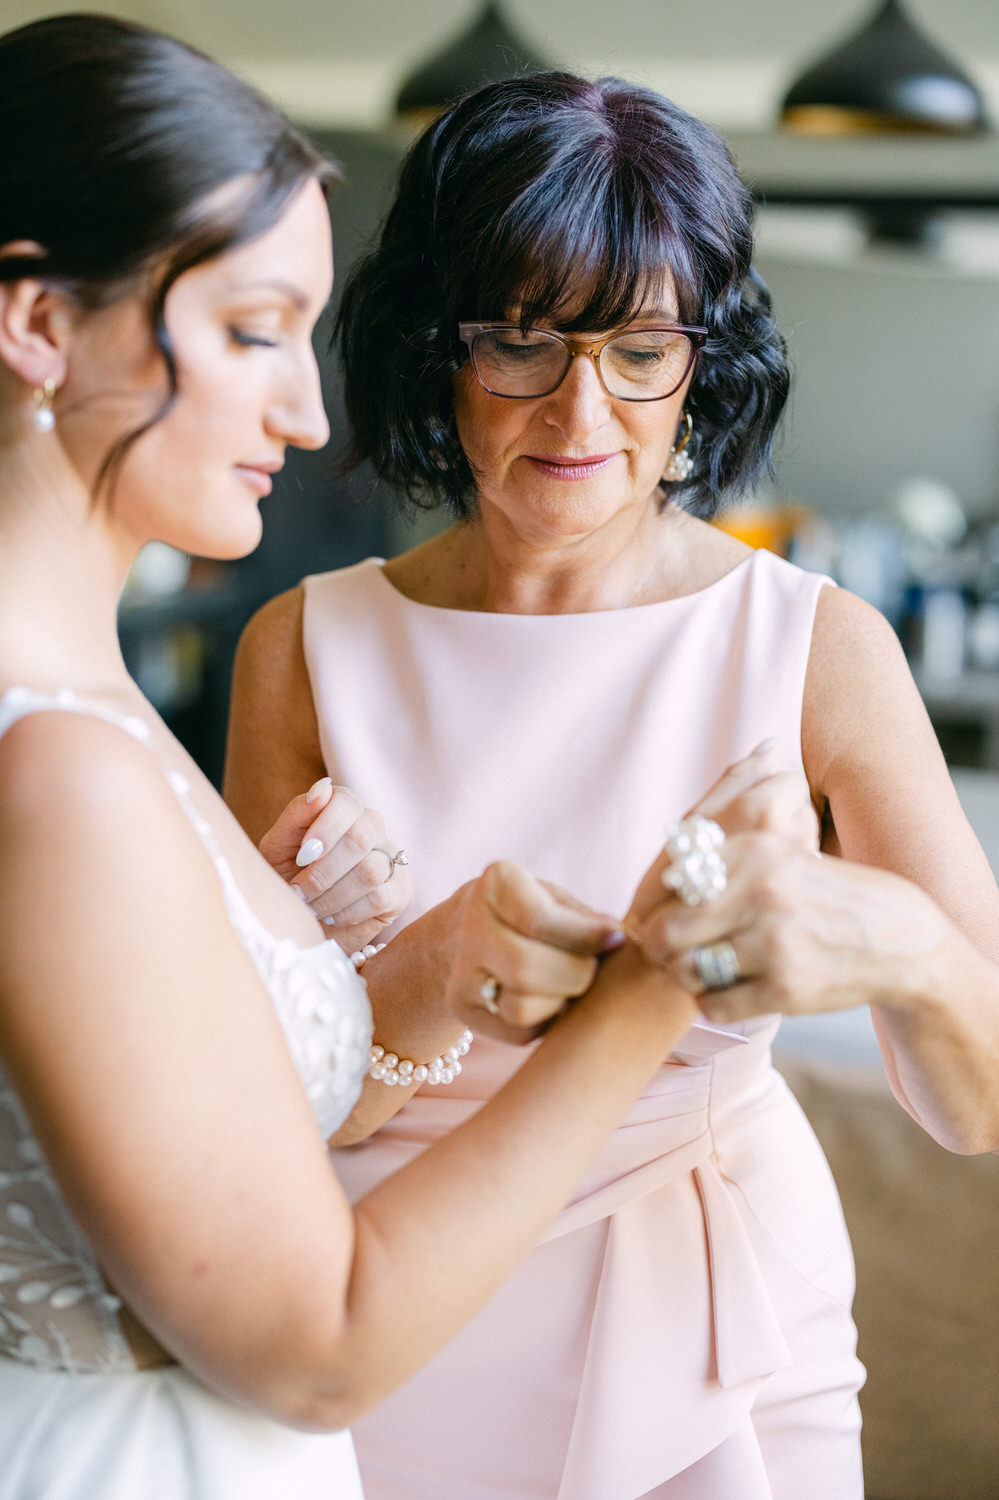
44, 415
680, 465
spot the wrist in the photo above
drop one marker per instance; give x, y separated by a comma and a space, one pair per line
927, 981
629, 987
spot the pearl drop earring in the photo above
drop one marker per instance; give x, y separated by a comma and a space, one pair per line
679, 464
44, 415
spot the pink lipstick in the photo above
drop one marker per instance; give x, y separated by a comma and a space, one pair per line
570, 468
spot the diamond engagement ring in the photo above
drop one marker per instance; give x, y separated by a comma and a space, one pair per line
717, 965
696, 871
398, 858
490, 995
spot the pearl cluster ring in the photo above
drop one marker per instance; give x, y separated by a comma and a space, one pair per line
696, 872
387, 1067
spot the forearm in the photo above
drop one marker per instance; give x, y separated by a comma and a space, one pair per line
439, 1237
939, 1035
406, 985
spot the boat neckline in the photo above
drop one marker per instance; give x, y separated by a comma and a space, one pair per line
377, 564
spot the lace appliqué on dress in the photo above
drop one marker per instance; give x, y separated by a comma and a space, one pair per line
320, 999
56, 1310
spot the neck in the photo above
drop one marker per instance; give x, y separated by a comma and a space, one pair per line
630, 560
62, 565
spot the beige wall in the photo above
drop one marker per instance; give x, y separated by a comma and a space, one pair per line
339, 61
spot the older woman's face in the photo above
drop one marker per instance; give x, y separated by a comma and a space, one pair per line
567, 464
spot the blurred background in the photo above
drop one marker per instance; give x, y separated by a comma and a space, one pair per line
868, 134
878, 233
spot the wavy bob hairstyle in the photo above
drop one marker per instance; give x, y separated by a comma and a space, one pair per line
554, 199
114, 143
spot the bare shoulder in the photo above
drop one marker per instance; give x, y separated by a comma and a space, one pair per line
273, 748
874, 763
270, 677
274, 633
860, 702
431, 572
846, 625
60, 769
93, 842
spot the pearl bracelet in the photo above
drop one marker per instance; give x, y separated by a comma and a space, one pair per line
386, 1067
360, 958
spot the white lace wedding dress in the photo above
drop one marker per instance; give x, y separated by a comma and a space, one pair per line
78, 1419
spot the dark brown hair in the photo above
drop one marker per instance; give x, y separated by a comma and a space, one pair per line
114, 140
553, 198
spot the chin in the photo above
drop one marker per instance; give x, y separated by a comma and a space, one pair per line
233, 537
573, 514
236, 544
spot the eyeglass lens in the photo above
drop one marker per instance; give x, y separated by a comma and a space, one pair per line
641, 365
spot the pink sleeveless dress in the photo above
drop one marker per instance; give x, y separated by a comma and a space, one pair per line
684, 1328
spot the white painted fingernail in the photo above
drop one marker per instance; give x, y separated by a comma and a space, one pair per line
324, 784
616, 939
300, 893
329, 921
309, 852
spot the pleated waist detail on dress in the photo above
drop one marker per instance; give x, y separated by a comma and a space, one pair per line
670, 1133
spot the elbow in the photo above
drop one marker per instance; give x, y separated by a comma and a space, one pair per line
314, 1379
353, 1132
353, 1384
962, 1135
974, 1140
329, 1400
319, 1409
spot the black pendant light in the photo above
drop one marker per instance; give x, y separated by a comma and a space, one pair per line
486, 52
886, 77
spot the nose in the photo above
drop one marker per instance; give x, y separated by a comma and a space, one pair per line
300, 417
580, 404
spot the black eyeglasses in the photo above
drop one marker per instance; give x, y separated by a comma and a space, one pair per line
644, 364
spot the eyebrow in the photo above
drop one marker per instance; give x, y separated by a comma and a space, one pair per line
288, 289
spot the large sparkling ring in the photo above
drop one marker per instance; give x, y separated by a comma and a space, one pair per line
696, 871
717, 965
490, 995
398, 858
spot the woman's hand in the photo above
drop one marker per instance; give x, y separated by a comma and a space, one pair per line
807, 934
503, 955
335, 852
518, 950
749, 797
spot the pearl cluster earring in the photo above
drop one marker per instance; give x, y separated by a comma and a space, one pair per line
680, 465
44, 415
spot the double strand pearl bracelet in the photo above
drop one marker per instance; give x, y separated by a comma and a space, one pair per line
386, 1067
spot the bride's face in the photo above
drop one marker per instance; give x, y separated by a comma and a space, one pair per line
240, 328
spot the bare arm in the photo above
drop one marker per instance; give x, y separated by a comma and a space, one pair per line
871, 753
151, 1063
276, 784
